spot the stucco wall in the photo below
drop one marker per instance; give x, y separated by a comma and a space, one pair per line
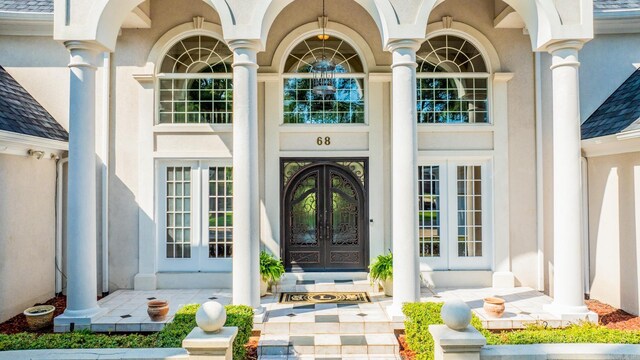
514, 51
614, 229
27, 232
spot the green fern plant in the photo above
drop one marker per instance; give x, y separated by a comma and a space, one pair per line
271, 269
382, 268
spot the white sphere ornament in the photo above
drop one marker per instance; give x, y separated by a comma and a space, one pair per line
456, 314
211, 316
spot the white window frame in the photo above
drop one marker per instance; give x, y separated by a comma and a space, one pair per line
199, 260
449, 259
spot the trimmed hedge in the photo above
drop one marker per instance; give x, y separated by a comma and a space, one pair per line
169, 337
420, 315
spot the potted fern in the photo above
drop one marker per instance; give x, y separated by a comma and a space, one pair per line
382, 271
271, 270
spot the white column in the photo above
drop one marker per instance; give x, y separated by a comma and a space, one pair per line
404, 192
246, 201
567, 188
81, 198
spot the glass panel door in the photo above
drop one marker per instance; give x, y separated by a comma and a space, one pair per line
454, 215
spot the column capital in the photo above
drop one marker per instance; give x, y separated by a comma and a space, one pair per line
248, 44
410, 44
83, 53
563, 45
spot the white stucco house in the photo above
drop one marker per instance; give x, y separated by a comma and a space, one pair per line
448, 132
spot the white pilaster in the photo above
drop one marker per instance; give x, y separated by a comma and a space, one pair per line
502, 276
404, 191
81, 219
246, 201
568, 293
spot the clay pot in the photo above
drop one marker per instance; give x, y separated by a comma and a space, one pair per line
494, 306
157, 309
39, 316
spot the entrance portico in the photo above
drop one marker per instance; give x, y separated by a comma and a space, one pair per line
398, 222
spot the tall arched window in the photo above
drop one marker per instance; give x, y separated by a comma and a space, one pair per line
302, 105
452, 82
196, 83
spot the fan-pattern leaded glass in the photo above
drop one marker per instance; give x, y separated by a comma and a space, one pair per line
302, 105
460, 98
198, 54
204, 98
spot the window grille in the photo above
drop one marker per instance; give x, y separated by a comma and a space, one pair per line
303, 106
178, 227
196, 83
469, 184
220, 212
429, 216
452, 84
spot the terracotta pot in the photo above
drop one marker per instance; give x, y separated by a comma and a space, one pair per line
157, 309
494, 306
39, 316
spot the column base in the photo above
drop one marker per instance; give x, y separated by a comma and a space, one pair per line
503, 279
571, 313
394, 312
71, 320
145, 282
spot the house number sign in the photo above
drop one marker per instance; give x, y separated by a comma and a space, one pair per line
323, 141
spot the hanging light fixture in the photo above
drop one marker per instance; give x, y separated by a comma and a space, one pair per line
323, 69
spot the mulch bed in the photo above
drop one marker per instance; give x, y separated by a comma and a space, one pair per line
613, 318
608, 316
18, 323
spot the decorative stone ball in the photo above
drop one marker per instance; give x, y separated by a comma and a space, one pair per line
211, 316
456, 314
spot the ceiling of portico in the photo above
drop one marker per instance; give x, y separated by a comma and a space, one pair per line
345, 12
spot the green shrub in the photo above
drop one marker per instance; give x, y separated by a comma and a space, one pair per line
382, 268
271, 269
242, 317
169, 337
420, 315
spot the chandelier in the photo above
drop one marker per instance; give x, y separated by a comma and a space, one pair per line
323, 69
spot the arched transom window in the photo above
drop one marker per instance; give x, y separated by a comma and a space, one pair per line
302, 105
195, 82
452, 82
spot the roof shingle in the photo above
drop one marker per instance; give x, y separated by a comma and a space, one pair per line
21, 113
46, 6
619, 112
29, 6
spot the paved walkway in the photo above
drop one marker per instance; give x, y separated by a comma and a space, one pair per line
306, 331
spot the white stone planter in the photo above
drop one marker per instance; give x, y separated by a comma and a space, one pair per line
264, 287
387, 285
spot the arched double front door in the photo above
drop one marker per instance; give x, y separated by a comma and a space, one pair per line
324, 212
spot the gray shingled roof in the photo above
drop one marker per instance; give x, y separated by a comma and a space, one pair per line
604, 5
21, 113
621, 111
30, 6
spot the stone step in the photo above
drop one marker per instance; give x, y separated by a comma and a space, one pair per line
341, 328
326, 276
358, 286
328, 344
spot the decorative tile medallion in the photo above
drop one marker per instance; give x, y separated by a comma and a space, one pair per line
324, 297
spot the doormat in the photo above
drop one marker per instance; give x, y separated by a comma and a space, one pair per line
324, 297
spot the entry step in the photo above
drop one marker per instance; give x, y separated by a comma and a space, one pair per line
327, 344
294, 284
